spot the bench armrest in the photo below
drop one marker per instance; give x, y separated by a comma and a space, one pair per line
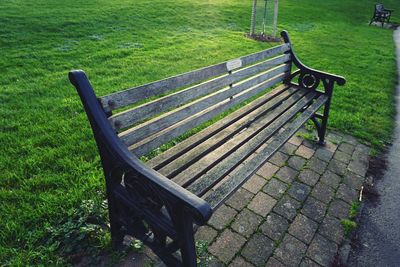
197, 207
303, 68
117, 159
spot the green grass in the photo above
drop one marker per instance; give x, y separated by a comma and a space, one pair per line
48, 160
348, 226
354, 209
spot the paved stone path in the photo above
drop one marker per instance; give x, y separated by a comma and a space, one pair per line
378, 234
290, 212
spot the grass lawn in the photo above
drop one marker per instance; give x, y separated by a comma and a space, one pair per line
51, 184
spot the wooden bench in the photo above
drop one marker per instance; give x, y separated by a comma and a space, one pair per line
381, 14
173, 193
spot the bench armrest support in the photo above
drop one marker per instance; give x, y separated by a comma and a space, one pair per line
118, 162
307, 71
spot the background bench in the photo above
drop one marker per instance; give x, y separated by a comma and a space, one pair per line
257, 103
381, 14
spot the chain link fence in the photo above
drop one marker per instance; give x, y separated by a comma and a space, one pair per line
263, 19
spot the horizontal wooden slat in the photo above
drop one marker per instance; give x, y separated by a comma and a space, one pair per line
165, 158
234, 156
150, 109
249, 59
195, 155
247, 169
255, 134
133, 95
143, 147
135, 134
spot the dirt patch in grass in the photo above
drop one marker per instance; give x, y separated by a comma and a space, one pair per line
376, 171
370, 196
264, 38
378, 165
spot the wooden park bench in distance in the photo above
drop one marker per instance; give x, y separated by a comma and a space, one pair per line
381, 14
173, 193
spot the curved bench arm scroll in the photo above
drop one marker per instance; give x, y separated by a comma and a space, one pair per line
308, 77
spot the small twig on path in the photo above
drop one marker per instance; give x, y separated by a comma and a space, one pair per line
361, 192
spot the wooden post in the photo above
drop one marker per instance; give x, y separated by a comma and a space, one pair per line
265, 17
275, 19
253, 18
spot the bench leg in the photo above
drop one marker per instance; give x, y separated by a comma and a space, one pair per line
117, 236
184, 225
188, 248
321, 133
324, 123
372, 20
328, 86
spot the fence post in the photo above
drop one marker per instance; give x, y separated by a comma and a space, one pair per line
275, 19
253, 18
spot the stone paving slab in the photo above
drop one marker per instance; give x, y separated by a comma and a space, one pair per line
294, 216
290, 213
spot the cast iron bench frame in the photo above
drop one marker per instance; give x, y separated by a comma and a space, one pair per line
381, 14
146, 204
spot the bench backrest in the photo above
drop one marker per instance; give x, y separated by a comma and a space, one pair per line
379, 8
190, 99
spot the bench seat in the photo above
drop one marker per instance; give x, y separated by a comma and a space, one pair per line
220, 124
216, 161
